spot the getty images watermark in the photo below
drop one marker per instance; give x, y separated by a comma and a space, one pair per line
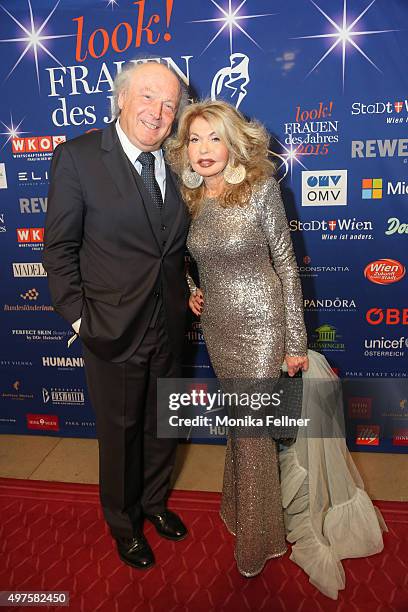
207, 408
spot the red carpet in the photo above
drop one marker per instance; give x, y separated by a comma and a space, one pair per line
53, 537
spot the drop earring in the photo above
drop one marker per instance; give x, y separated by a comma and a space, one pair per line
234, 174
191, 179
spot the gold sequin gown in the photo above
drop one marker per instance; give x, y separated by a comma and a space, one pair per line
252, 317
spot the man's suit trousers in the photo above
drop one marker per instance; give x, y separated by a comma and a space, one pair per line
135, 466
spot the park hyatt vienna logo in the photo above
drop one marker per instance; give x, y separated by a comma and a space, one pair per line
324, 188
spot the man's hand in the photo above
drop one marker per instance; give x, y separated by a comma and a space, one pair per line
196, 302
296, 363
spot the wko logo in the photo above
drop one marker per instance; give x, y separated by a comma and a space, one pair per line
23, 147
388, 316
384, 271
30, 234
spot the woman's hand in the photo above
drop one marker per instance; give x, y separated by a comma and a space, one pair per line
196, 302
296, 363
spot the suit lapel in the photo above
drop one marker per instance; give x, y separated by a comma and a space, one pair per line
126, 178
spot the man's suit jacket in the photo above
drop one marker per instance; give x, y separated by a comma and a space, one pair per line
104, 251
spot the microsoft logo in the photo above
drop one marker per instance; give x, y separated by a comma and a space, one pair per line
372, 188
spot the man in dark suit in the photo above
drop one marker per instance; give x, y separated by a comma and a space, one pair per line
114, 253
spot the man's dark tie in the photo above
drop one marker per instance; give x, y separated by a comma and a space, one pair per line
147, 160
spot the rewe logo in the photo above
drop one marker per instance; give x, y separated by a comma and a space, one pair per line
324, 188
30, 234
396, 147
36, 144
384, 271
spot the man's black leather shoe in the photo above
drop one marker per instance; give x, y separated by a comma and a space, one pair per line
136, 552
168, 525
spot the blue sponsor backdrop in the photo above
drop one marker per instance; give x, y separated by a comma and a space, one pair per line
327, 78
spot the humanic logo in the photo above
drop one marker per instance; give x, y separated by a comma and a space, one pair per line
63, 362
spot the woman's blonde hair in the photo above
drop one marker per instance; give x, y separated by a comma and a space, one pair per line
247, 142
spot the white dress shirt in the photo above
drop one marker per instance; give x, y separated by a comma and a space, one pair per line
133, 153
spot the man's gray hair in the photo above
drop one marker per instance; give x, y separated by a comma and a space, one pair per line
123, 78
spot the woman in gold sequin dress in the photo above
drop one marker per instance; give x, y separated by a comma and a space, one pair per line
250, 299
